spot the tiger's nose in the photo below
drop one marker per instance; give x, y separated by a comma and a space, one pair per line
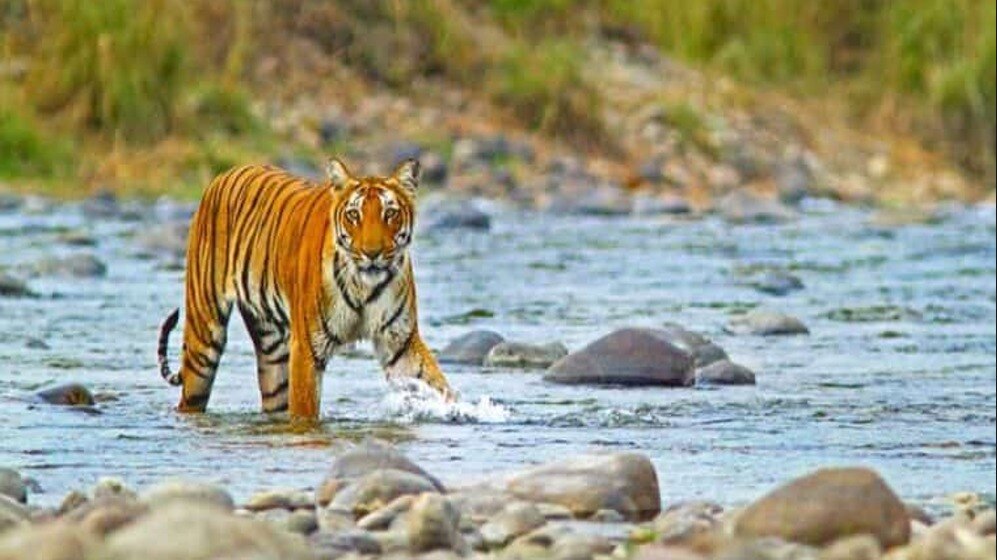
371, 254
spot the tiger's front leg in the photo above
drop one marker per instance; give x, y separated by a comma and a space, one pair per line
305, 377
409, 357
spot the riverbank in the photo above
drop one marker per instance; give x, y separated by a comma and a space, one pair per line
373, 503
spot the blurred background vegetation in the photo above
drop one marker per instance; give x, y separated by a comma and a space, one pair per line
89, 89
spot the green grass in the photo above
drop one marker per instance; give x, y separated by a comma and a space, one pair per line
25, 151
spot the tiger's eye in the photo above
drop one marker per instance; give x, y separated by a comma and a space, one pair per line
390, 214
353, 216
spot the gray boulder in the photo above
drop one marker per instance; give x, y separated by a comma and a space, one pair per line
631, 356
470, 348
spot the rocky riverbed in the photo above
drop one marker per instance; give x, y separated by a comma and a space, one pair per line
719, 357
373, 502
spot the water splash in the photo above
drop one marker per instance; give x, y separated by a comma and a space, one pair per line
412, 401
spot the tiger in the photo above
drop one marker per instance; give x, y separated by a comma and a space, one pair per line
312, 266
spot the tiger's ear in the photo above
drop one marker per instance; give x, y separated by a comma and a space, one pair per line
407, 174
337, 173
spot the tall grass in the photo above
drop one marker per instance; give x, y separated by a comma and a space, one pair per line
25, 151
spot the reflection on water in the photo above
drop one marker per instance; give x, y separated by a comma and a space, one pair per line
898, 372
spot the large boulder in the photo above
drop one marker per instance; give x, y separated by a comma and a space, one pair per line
470, 348
196, 531
585, 484
631, 356
827, 505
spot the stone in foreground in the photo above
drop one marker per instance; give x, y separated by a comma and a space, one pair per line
827, 505
585, 484
631, 356
362, 459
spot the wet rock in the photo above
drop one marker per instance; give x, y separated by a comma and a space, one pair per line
173, 491
777, 283
12, 485
285, 498
521, 354
12, 287
68, 394
704, 351
382, 518
516, 519
631, 356
725, 372
470, 348
764, 322
448, 214
742, 206
362, 459
377, 489
167, 240
335, 545
646, 205
200, 530
12, 513
432, 523
793, 180
101, 205
827, 505
79, 265
585, 484
48, 541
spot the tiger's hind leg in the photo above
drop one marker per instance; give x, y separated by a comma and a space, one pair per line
204, 335
270, 340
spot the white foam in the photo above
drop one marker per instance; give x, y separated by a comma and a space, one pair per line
412, 401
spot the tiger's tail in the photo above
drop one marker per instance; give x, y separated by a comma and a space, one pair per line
165, 329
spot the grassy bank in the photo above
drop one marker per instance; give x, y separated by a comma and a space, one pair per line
89, 85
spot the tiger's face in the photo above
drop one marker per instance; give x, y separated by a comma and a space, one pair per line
373, 218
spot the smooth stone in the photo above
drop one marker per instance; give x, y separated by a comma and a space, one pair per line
201, 530
68, 394
179, 490
46, 541
339, 544
742, 206
451, 214
14, 288
524, 355
725, 372
79, 265
285, 498
764, 322
684, 522
167, 240
360, 460
704, 351
516, 519
777, 283
377, 489
480, 504
585, 484
432, 523
827, 505
470, 348
12, 485
630, 356
382, 518
12, 513
108, 514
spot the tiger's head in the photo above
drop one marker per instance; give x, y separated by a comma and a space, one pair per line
373, 217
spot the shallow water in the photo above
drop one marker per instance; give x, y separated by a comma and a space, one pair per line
898, 373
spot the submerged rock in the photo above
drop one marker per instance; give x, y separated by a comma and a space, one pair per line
521, 354
765, 323
827, 505
69, 394
631, 356
12, 485
79, 265
622, 482
470, 348
725, 372
777, 283
13, 287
